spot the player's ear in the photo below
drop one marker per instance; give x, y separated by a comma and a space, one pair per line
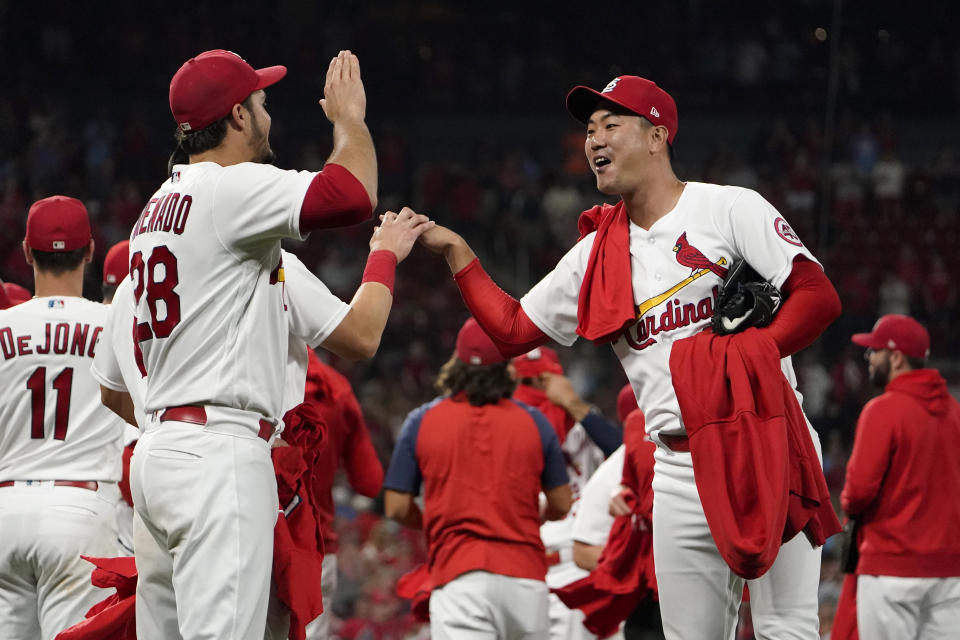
239, 117
658, 138
88, 257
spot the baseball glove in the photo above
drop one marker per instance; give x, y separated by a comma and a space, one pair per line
746, 300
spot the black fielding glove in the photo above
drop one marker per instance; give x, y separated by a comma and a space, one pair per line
745, 300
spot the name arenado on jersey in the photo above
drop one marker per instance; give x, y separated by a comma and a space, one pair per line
59, 338
640, 335
168, 213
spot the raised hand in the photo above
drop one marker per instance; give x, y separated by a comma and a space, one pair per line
398, 231
344, 97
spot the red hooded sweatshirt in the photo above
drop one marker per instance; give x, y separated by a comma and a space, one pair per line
903, 479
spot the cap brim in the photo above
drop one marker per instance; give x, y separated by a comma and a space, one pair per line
864, 340
582, 102
269, 75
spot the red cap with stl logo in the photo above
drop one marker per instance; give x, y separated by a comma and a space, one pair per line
633, 93
206, 87
58, 223
475, 347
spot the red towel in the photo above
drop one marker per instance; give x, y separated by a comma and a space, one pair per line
605, 307
112, 618
845, 620
756, 467
623, 578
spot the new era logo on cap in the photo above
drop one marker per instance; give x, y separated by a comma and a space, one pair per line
654, 112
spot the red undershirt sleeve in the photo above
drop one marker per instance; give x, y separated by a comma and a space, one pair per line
335, 198
810, 305
499, 313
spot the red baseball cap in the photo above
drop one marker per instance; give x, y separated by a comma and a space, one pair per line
474, 346
206, 87
626, 402
537, 361
115, 264
897, 333
15, 293
58, 223
633, 93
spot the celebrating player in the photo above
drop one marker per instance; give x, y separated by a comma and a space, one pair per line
59, 447
211, 335
645, 275
482, 459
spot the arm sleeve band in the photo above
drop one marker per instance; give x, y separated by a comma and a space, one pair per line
335, 198
499, 313
604, 433
810, 306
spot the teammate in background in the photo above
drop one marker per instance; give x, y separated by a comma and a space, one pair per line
903, 479
59, 447
592, 522
348, 446
586, 438
212, 335
482, 459
114, 271
644, 275
115, 267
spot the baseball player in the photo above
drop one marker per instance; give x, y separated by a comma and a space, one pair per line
901, 486
114, 271
592, 522
211, 335
348, 445
59, 447
640, 279
580, 428
482, 459
115, 268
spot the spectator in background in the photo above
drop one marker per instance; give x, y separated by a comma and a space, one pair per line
902, 484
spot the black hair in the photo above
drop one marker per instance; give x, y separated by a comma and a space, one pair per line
59, 262
109, 290
483, 384
194, 142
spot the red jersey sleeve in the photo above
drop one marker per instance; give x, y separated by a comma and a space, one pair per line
335, 198
872, 447
360, 461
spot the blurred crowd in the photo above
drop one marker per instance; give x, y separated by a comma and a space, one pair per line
475, 136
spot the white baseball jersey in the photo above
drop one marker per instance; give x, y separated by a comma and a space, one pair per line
52, 424
675, 300
312, 313
210, 303
593, 520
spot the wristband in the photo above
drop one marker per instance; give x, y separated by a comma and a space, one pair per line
381, 267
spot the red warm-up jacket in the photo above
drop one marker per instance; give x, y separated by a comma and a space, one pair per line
903, 479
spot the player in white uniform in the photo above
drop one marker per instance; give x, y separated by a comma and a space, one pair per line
211, 336
59, 447
678, 236
586, 437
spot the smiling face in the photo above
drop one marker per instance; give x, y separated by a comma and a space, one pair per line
618, 147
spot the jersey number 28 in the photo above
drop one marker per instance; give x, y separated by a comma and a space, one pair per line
157, 277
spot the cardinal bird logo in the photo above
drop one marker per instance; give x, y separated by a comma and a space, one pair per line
689, 256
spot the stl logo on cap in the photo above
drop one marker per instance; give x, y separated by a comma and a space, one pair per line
611, 85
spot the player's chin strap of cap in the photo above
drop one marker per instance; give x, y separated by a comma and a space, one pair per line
195, 414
